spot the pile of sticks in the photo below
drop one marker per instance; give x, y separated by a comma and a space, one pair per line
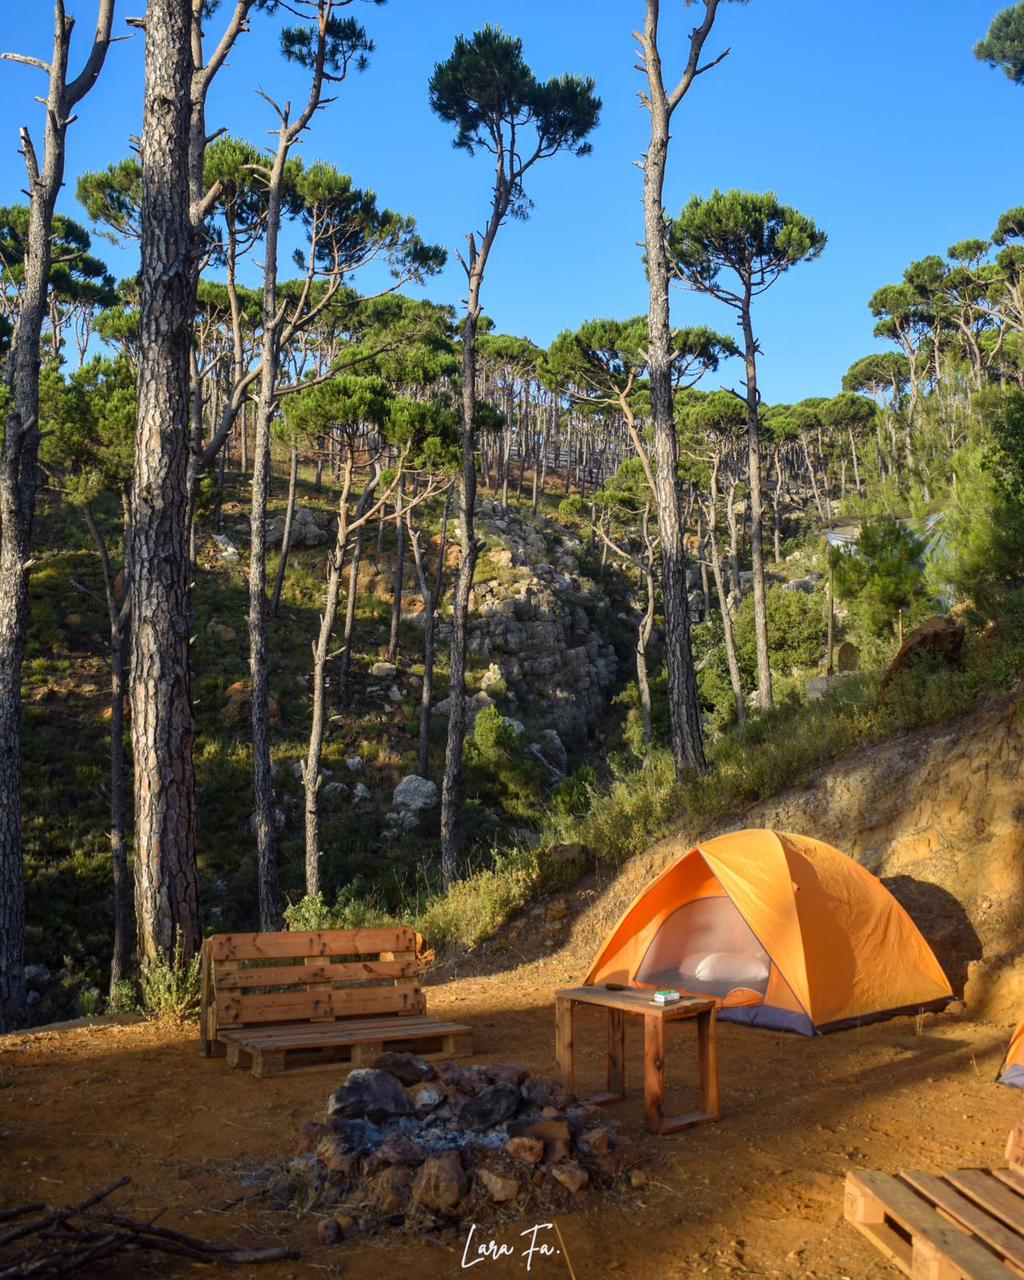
58, 1241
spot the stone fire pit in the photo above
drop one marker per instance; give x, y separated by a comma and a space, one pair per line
410, 1143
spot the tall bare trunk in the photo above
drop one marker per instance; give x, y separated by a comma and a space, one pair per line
451, 783
398, 581
289, 512
765, 698
166, 881
311, 769
431, 600
683, 700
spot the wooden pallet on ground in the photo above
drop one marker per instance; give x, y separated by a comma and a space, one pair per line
964, 1225
277, 1002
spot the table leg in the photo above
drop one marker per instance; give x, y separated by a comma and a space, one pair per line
563, 1041
616, 1054
707, 1049
654, 1072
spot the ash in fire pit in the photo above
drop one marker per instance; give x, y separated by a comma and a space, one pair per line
405, 1143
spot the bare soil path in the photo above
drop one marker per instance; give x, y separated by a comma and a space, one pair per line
759, 1194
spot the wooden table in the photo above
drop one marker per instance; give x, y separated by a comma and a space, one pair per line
618, 1003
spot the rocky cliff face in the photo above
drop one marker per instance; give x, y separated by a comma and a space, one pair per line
939, 815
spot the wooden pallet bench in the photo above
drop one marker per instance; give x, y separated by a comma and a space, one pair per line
964, 1225
276, 1002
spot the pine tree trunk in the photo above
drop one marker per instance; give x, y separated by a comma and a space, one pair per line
398, 581
765, 698
311, 769
451, 783
166, 881
345, 665
683, 700
282, 564
431, 601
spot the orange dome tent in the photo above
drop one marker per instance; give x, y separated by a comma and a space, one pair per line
787, 931
1012, 1071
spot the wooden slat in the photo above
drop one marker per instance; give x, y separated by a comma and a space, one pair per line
970, 1213
332, 942
312, 1035
633, 1001
938, 1248
317, 972
997, 1199
295, 1032
286, 1029
1011, 1178
205, 1000
1015, 1149
285, 1006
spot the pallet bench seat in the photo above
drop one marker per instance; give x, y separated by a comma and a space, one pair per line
962, 1225
278, 1002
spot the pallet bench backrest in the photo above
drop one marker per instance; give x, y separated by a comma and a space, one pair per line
253, 978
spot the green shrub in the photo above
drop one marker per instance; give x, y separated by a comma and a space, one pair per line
797, 632
124, 998
171, 989
474, 909
90, 1001
355, 907
499, 771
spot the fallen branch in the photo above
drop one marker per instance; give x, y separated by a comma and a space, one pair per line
75, 1237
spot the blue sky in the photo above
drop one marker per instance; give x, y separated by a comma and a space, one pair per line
872, 117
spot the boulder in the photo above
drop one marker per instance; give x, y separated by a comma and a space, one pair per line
354, 764
441, 1182
372, 1094
227, 549
237, 711
415, 794
937, 637
360, 792
383, 670
553, 749
355, 1135
491, 1107
310, 1136
219, 632
334, 789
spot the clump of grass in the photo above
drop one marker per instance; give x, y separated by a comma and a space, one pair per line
474, 909
124, 998
172, 989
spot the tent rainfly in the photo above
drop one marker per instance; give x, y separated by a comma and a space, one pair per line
1012, 1071
786, 931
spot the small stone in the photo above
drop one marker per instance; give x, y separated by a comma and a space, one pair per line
552, 1113
347, 1223
383, 670
391, 1188
499, 1186
406, 1067
465, 1079
218, 631
329, 1232
360, 792
956, 1008
418, 795
397, 1148
637, 1179
371, 1093
336, 1158
491, 1107
529, 1149
425, 1097
545, 1130
310, 1136
395, 694
556, 1151
544, 1092
502, 1074
571, 1176
355, 1135
441, 1182
557, 910
354, 764
595, 1142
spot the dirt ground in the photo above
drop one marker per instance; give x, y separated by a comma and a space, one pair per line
759, 1194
